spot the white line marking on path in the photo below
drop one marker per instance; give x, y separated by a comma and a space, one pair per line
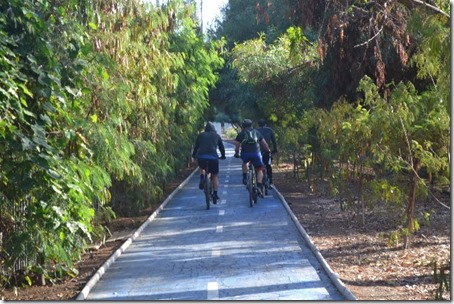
216, 252
219, 229
221, 212
213, 291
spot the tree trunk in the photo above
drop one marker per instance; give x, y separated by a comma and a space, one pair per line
360, 193
410, 212
295, 166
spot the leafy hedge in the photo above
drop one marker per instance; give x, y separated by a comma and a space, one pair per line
99, 104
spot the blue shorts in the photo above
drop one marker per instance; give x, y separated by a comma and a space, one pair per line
254, 157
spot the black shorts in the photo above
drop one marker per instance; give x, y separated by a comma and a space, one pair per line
267, 158
213, 165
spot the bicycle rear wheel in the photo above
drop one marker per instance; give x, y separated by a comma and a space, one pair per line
206, 189
250, 187
213, 197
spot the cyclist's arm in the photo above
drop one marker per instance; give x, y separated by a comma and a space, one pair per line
221, 147
196, 148
273, 140
265, 145
237, 147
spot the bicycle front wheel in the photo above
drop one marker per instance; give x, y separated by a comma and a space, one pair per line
254, 188
266, 182
206, 188
250, 187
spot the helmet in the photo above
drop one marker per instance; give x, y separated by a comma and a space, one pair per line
247, 123
262, 122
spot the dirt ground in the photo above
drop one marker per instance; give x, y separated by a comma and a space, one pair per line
359, 255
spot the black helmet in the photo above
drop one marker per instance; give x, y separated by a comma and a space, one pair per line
247, 123
262, 122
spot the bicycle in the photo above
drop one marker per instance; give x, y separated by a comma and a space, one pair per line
251, 184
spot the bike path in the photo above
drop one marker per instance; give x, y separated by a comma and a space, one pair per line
230, 252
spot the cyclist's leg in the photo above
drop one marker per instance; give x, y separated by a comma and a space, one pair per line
259, 172
215, 181
245, 159
258, 165
266, 161
202, 166
270, 170
213, 169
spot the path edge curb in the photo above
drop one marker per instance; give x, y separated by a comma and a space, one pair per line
82, 295
332, 275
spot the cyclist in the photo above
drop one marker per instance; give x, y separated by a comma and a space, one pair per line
205, 150
250, 140
268, 134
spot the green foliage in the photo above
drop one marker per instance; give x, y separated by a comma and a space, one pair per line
276, 71
388, 129
394, 238
47, 189
441, 278
90, 97
257, 62
243, 19
433, 56
396, 137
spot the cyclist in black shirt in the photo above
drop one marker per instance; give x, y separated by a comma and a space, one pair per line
205, 150
250, 151
268, 134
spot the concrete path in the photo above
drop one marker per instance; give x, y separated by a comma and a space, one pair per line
230, 252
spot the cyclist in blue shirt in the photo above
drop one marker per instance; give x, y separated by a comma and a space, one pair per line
205, 150
250, 140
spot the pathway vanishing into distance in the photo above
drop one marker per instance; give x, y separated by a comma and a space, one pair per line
230, 252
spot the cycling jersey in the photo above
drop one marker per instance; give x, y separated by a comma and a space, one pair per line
206, 145
269, 137
249, 147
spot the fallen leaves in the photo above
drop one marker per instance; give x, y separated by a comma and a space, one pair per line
360, 255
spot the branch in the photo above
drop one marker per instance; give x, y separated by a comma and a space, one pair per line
367, 42
434, 8
405, 2
417, 175
411, 164
385, 16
